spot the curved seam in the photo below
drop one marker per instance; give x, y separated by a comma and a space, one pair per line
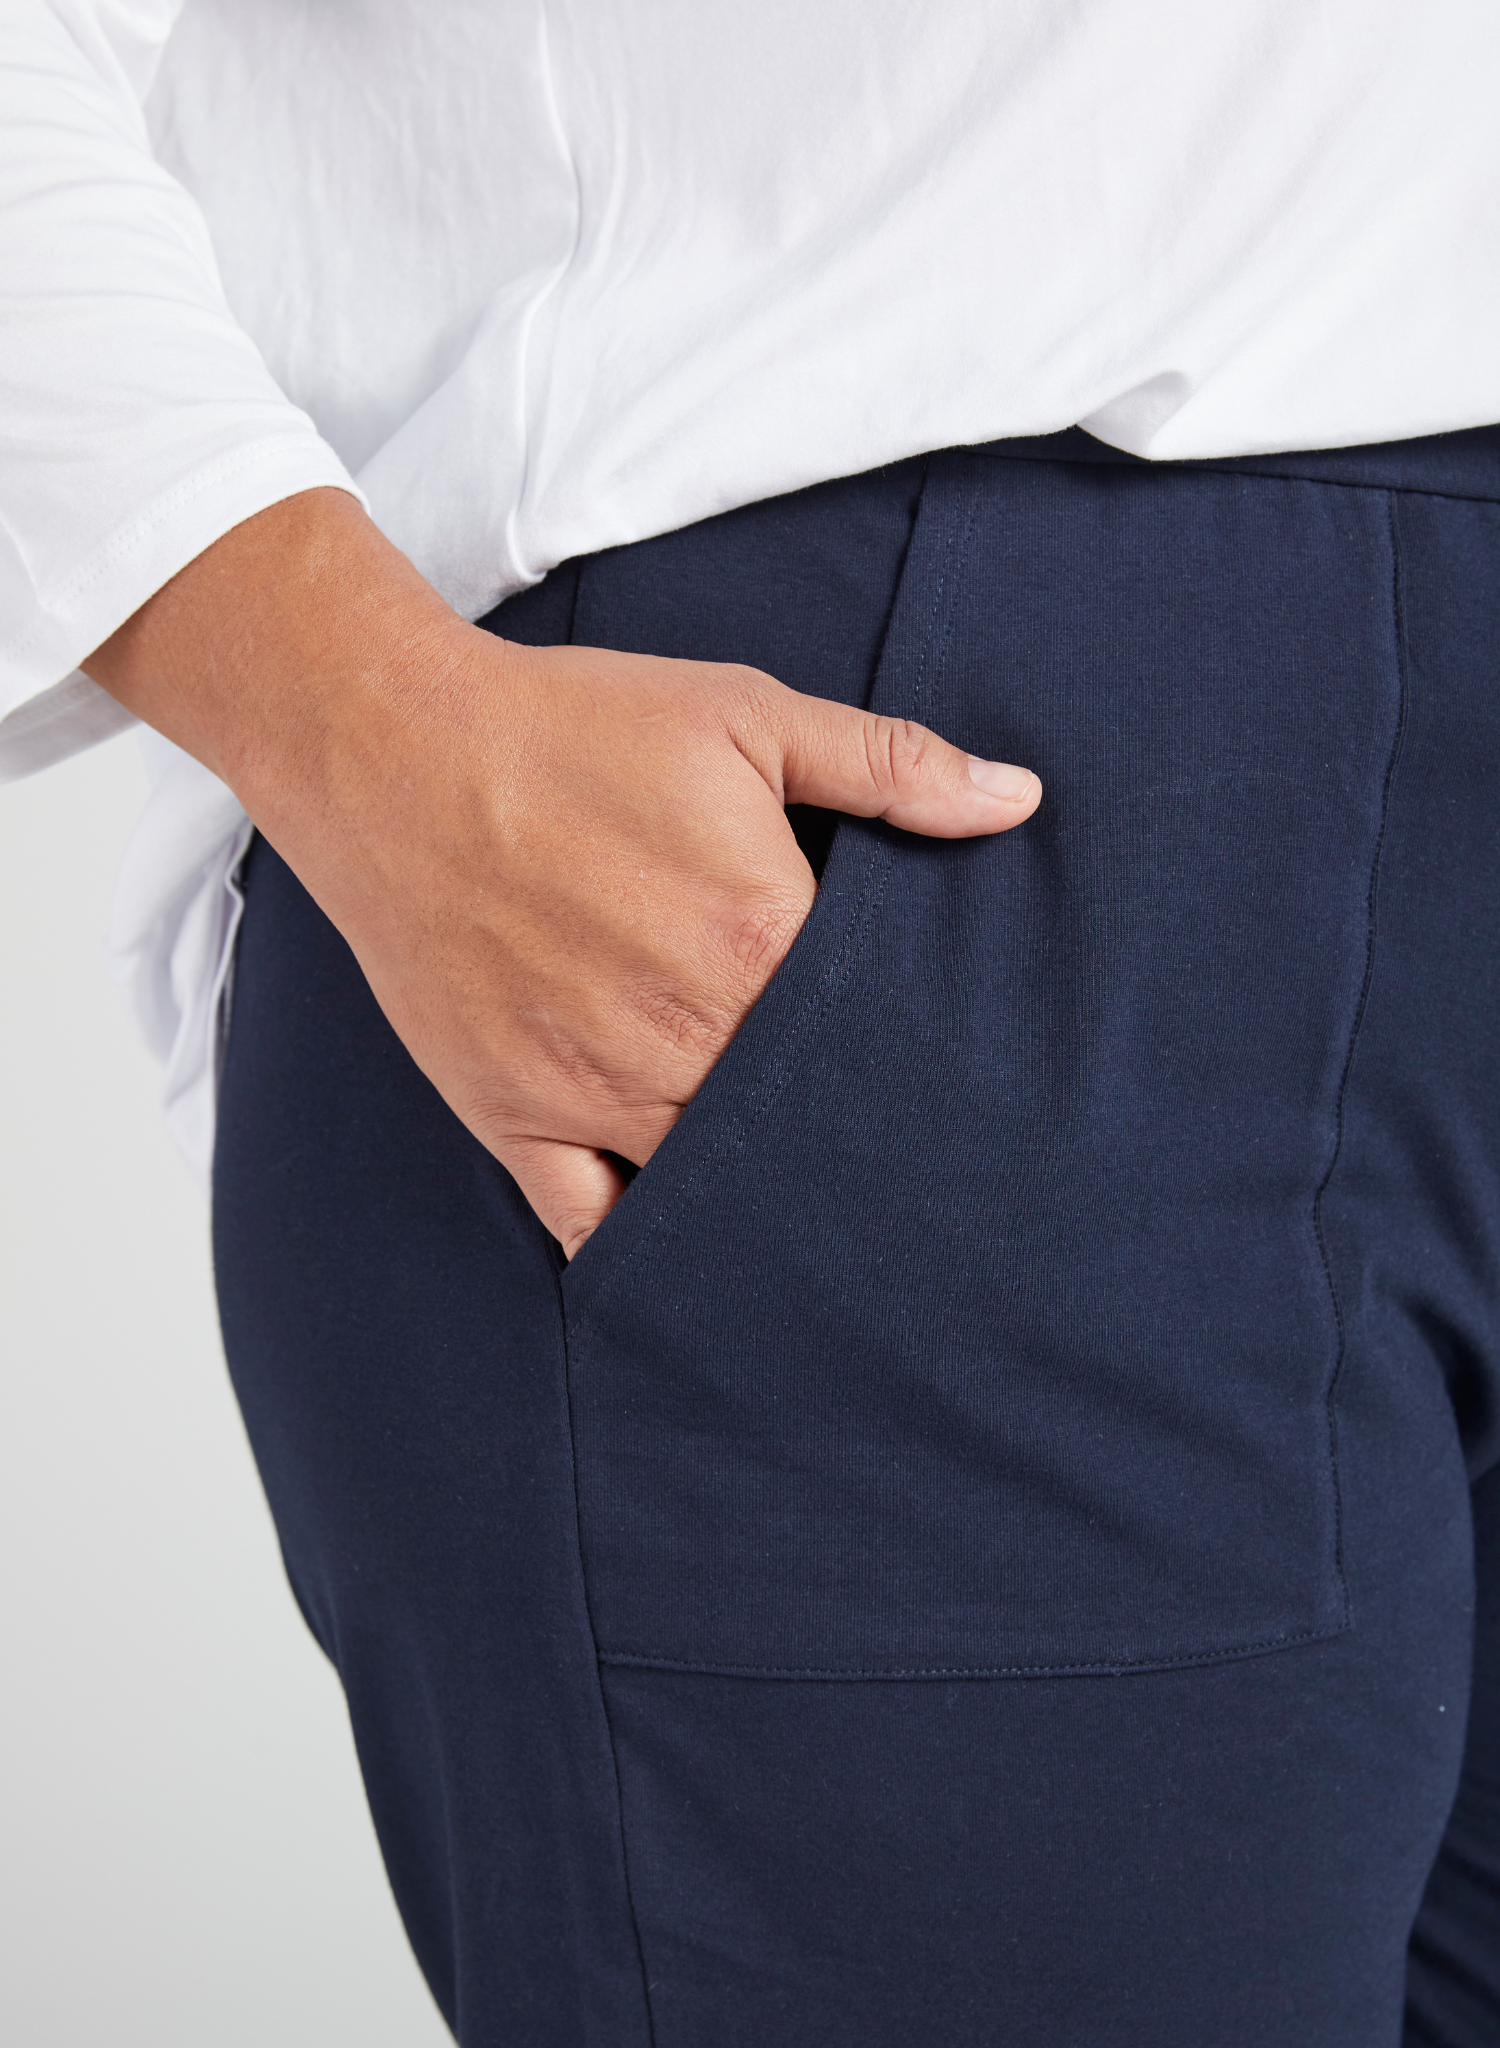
1096, 1668
931, 659
779, 1058
1398, 623
609, 1726
834, 976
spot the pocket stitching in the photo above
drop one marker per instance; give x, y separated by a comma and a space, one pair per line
777, 1066
1099, 1667
1393, 760
776, 1072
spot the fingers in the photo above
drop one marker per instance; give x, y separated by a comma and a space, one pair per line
571, 1187
846, 760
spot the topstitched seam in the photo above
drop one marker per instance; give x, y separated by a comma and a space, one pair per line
1371, 927
1105, 1667
632, 1912
609, 1730
933, 655
845, 953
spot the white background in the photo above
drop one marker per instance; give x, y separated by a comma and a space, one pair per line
185, 1856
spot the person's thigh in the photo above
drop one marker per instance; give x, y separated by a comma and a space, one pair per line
975, 1549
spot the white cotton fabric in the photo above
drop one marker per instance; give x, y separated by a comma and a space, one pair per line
540, 276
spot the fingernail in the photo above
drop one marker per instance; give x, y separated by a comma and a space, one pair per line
999, 778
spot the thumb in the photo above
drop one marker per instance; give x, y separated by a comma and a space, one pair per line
846, 760
571, 1187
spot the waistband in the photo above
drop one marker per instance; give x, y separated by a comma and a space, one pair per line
1461, 465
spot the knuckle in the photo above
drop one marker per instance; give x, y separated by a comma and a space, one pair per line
564, 1060
691, 1030
898, 751
759, 936
572, 1226
559, 1076
756, 702
689, 1027
756, 689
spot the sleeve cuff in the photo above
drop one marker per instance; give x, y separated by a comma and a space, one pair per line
48, 708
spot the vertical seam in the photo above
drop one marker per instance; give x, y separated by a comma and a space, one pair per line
948, 581
1398, 626
960, 530
878, 662
588, 1609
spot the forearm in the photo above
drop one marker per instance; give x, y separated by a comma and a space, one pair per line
275, 641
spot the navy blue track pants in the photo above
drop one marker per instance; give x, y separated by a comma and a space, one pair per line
980, 1547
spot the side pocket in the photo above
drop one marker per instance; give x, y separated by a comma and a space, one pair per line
774, 1043
977, 1322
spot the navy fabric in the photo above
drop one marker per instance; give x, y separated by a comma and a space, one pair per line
978, 1546
1460, 465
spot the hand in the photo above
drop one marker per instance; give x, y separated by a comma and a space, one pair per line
566, 873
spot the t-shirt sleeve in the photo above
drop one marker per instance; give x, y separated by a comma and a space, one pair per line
137, 419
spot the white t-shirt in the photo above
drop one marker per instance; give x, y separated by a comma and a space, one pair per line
541, 276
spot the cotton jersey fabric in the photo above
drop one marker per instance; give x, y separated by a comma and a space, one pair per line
978, 1546
540, 278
